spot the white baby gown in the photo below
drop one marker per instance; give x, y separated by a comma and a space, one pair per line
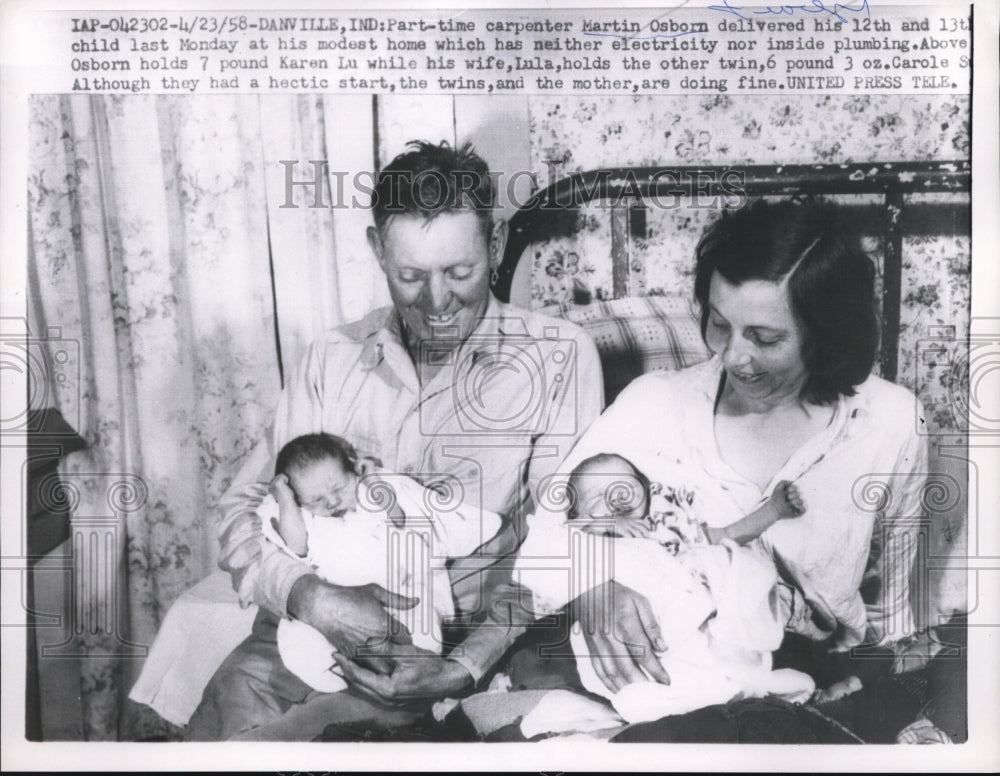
716, 605
406, 556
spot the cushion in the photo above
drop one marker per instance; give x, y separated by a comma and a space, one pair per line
636, 335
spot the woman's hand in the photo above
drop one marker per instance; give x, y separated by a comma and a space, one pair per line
622, 635
417, 675
352, 617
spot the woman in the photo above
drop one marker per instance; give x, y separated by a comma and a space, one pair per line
788, 311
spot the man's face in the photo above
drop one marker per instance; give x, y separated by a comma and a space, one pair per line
438, 273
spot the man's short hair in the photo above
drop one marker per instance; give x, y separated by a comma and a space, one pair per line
430, 179
831, 285
313, 448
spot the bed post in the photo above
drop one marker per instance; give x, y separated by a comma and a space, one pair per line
892, 282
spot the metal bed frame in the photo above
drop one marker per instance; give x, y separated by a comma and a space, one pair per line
552, 211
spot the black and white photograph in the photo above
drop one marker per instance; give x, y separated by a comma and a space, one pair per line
547, 380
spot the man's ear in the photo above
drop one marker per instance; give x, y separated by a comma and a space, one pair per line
375, 243
498, 242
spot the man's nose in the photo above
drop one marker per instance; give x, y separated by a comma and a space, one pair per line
437, 294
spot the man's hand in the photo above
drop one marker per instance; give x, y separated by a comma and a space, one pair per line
622, 635
351, 617
417, 675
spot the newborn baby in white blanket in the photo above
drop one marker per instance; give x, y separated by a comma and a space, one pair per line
380, 528
715, 600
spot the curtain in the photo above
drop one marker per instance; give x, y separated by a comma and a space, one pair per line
168, 292
176, 273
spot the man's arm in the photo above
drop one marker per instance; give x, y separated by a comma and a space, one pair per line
265, 575
421, 675
261, 572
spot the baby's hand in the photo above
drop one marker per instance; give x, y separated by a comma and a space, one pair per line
632, 527
787, 500
282, 490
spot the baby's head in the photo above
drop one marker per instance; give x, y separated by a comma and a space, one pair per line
322, 470
608, 486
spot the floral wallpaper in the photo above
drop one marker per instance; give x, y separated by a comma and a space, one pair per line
570, 134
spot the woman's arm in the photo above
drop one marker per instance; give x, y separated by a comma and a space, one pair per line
890, 617
622, 634
618, 624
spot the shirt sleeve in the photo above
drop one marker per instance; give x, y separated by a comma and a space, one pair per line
573, 405
509, 616
895, 541
261, 572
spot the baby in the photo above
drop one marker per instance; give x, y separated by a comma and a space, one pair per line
616, 499
716, 601
357, 525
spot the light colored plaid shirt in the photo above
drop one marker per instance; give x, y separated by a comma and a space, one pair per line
486, 429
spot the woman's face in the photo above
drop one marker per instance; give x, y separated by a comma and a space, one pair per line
752, 327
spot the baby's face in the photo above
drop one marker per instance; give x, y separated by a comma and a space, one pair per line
324, 487
610, 490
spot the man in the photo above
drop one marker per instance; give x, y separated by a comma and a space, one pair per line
449, 386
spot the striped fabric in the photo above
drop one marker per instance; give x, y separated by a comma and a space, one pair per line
636, 335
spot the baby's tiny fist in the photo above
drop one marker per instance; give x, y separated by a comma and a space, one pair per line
281, 489
794, 499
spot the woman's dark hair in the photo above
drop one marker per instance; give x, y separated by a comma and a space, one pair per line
832, 283
430, 179
312, 448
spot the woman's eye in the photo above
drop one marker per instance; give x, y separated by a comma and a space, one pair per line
410, 277
718, 324
463, 273
762, 341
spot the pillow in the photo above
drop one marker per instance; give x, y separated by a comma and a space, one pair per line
636, 335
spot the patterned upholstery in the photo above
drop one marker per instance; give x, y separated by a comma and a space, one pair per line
635, 335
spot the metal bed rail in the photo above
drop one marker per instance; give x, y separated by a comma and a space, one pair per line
552, 211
